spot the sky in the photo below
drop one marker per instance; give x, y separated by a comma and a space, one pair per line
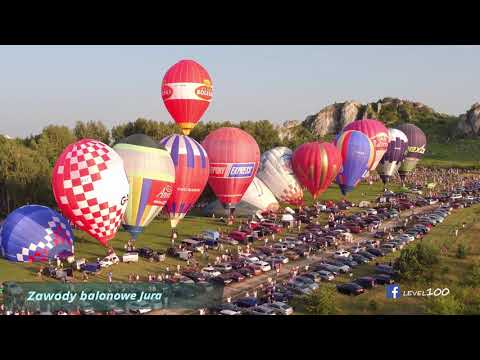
42, 85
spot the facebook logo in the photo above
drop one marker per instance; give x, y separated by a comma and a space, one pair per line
393, 291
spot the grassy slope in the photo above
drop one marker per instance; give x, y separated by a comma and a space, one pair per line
458, 153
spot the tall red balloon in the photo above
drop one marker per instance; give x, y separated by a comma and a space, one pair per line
187, 93
234, 158
91, 188
376, 132
316, 164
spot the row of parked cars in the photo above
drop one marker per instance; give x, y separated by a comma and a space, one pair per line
386, 274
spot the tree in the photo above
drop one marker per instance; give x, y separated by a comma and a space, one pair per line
92, 130
155, 129
51, 142
319, 302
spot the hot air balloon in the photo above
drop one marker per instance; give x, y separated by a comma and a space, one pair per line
395, 154
357, 152
151, 175
35, 233
376, 132
257, 198
191, 174
91, 188
187, 93
276, 172
417, 142
234, 156
315, 165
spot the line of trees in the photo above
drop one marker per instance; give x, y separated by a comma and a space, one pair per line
26, 164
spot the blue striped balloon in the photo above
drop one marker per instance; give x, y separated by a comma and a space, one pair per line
357, 153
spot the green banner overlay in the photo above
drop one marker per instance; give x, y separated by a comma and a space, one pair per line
102, 297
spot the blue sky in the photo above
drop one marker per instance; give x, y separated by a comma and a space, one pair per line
41, 85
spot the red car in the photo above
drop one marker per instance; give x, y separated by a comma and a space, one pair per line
274, 227
240, 236
354, 228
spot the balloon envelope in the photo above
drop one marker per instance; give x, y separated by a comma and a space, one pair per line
357, 152
151, 177
234, 156
277, 173
34, 233
376, 132
187, 93
91, 188
396, 151
191, 174
259, 196
417, 142
315, 165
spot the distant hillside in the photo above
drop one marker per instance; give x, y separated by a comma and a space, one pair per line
392, 111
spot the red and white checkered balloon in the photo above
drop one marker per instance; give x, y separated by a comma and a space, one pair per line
91, 188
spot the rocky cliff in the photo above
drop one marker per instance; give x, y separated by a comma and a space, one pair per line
469, 123
332, 118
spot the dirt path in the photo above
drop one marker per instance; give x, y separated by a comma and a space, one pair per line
237, 290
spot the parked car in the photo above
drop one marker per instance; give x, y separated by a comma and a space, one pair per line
350, 289
246, 302
367, 282
260, 310
384, 269
360, 259
341, 253
223, 267
383, 279
210, 272
326, 275
280, 308
375, 251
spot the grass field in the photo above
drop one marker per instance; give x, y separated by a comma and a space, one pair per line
450, 272
157, 236
459, 153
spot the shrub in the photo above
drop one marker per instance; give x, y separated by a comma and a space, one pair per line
414, 262
372, 305
320, 302
472, 277
461, 251
448, 305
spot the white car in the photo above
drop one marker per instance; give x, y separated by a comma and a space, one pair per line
281, 308
223, 267
229, 312
264, 266
140, 307
433, 201
341, 254
250, 259
456, 196
210, 272
406, 236
280, 247
371, 212
109, 260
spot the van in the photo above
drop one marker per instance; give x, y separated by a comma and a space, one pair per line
211, 235
130, 257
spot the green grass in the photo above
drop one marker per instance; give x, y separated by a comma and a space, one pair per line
460, 153
157, 236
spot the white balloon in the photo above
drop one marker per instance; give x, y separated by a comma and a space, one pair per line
276, 172
259, 196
